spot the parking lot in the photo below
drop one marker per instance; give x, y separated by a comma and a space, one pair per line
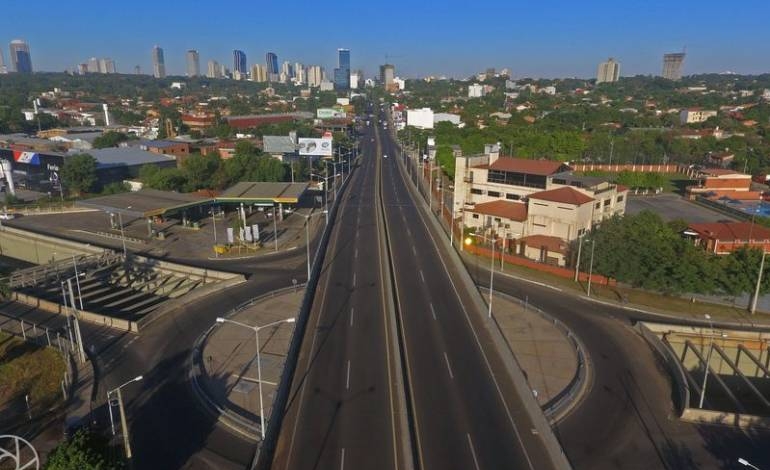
672, 206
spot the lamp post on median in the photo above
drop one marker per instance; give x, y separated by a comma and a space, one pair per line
468, 241
307, 236
259, 362
746, 463
123, 424
708, 361
326, 187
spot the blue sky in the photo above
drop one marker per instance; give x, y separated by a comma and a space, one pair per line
559, 38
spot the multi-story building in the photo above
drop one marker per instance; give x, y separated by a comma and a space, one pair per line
271, 63
314, 75
387, 74
158, 63
608, 72
3, 68
258, 73
287, 70
420, 118
342, 72
518, 198
300, 74
356, 78
93, 65
21, 60
695, 115
213, 70
193, 63
672, 65
239, 62
475, 91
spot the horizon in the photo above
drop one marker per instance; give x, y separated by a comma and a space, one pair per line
568, 41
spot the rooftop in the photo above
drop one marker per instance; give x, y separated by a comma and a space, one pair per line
128, 156
264, 191
550, 243
278, 144
565, 195
731, 231
527, 166
144, 203
506, 209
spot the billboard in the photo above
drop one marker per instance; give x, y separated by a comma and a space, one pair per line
31, 158
321, 147
330, 113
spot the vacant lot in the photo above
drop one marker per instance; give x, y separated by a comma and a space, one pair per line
671, 206
27, 369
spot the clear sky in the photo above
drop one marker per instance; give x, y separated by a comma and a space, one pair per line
556, 38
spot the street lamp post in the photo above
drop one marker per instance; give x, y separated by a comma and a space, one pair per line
326, 187
591, 268
468, 241
259, 361
123, 424
77, 282
708, 361
753, 308
307, 236
78, 335
746, 463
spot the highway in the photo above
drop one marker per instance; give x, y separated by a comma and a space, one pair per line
466, 411
340, 411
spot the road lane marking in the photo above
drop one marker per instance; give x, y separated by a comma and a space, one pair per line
432, 310
473, 451
347, 377
342, 459
352, 311
449, 368
422, 276
356, 255
414, 250
354, 279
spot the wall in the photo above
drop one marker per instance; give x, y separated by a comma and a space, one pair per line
629, 167
39, 249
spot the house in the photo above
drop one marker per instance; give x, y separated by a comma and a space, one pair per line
722, 238
719, 182
721, 159
695, 115
545, 249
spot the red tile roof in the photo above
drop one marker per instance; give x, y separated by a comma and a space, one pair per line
506, 209
731, 231
524, 165
552, 244
565, 195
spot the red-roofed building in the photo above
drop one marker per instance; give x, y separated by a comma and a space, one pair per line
509, 218
718, 182
544, 248
563, 212
722, 238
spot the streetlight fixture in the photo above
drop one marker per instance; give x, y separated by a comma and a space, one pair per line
468, 241
753, 308
123, 425
746, 463
708, 361
122, 233
307, 235
78, 335
259, 361
326, 188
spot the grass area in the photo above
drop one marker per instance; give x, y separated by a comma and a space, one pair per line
654, 302
28, 369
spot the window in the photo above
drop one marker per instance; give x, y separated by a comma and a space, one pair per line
539, 225
493, 193
497, 219
540, 204
512, 197
598, 205
565, 208
607, 202
620, 198
475, 216
476, 191
507, 225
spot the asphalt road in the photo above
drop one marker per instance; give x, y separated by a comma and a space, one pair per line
467, 413
339, 414
626, 421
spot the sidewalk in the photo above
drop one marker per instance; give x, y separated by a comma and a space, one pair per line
229, 372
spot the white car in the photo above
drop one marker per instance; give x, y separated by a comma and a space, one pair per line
7, 215
384, 156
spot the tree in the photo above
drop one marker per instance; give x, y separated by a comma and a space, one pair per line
199, 170
84, 451
109, 139
79, 173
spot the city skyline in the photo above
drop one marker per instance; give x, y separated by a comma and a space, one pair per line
562, 42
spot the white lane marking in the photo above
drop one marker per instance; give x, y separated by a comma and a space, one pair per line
414, 250
422, 276
342, 460
347, 377
356, 255
409, 231
449, 368
354, 279
352, 312
473, 451
432, 311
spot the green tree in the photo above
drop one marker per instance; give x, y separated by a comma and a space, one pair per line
79, 173
84, 451
199, 170
109, 139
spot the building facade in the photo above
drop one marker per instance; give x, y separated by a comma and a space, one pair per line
258, 73
193, 63
239, 62
314, 76
475, 91
158, 63
672, 65
213, 70
271, 63
695, 115
608, 72
21, 60
342, 72
387, 74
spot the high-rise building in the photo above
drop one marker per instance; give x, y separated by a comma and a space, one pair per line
314, 75
239, 62
672, 65
608, 72
258, 73
137, 70
158, 63
342, 72
82, 69
3, 68
387, 74
287, 69
21, 60
93, 65
193, 63
356, 79
213, 70
300, 74
271, 63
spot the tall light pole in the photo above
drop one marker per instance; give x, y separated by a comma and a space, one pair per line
468, 241
708, 361
326, 187
77, 282
746, 463
753, 308
275, 228
259, 361
122, 233
123, 424
78, 335
307, 237
591, 268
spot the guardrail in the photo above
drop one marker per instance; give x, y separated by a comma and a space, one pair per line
672, 364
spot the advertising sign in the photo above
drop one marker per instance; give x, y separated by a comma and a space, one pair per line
330, 113
321, 147
26, 157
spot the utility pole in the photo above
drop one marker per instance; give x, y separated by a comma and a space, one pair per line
591, 267
759, 282
577, 263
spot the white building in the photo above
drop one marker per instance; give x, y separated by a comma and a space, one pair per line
420, 118
314, 76
695, 115
441, 117
400, 83
355, 79
608, 72
475, 91
326, 85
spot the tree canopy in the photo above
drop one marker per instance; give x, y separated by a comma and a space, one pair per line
79, 173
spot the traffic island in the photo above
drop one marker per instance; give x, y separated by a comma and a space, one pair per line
226, 368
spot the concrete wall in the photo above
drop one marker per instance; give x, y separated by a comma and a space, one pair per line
90, 317
39, 249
